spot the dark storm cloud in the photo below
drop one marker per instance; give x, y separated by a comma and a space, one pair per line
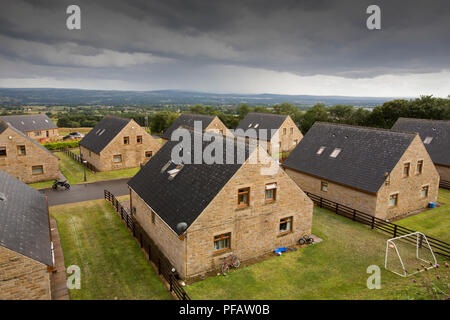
301, 37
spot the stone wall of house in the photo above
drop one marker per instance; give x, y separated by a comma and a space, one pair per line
289, 135
50, 134
133, 154
444, 172
254, 229
217, 125
22, 278
362, 201
409, 188
20, 166
166, 239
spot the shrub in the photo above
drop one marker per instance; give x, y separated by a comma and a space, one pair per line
59, 145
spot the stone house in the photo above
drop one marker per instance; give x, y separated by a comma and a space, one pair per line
435, 135
187, 120
117, 143
24, 158
380, 172
26, 256
273, 129
38, 127
199, 214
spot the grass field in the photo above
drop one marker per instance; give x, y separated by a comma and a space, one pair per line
65, 131
333, 269
434, 222
112, 264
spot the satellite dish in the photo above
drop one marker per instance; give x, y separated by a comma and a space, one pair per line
181, 227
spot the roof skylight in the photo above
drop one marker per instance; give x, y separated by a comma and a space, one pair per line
335, 153
320, 150
101, 132
427, 140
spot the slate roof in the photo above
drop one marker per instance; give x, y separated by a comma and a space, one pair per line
266, 121
24, 224
31, 122
102, 134
366, 154
4, 125
185, 197
187, 120
439, 147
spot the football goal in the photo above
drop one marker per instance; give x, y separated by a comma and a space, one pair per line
409, 254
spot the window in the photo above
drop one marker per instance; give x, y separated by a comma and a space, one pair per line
393, 199
406, 167
320, 150
2, 151
21, 151
324, 186
222, 242
221, 131
285, 225
148, 154
335, 153
419, 167
139, 139
153, 216
126, 140
424, 192
37, 133
243, 197
271, 192
36, 170
427, 140
117, 158
284, 130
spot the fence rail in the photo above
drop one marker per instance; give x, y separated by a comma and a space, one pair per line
444, 184
438, 246
163, 266
79, 159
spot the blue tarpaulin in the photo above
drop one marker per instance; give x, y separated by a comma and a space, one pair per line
280, 250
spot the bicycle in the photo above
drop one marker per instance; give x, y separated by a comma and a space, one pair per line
306, 240
230, 261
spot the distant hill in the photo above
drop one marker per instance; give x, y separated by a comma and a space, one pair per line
42, 96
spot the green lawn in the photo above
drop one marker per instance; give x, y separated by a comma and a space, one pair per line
434, 222
333, 269
112, 264
42, 185
73, 171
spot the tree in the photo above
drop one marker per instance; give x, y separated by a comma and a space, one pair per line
317, 113
243, 110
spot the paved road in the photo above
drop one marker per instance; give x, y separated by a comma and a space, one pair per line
85, 192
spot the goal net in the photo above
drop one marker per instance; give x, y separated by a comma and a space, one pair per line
409, 254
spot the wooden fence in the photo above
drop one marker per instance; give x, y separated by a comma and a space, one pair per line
395, 230
444, 184
163, 266
78, 159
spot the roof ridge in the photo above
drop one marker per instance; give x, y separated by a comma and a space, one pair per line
420, 119
269, 114
365, 128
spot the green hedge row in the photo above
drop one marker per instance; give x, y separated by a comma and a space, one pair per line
59, 145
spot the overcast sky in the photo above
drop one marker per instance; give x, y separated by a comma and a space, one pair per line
314, 47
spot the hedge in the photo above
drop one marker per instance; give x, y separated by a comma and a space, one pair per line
59, 145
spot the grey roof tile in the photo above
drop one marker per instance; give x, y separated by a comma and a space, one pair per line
439, 130
32, 122
265, 121
24, 224
366, 154
187, 120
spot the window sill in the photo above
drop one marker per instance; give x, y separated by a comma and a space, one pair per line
285, 233
221, 252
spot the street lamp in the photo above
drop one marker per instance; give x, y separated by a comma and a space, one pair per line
84, 167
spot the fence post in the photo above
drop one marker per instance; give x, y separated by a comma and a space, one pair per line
395, 230
320, 202
373, 222
354, 214
337, 205
420, 242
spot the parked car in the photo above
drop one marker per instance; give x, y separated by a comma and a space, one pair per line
73, 136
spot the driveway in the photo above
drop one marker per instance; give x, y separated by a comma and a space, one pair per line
87, 191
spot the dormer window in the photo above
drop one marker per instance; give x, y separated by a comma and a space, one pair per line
101, 132
320, 150
256, 125
335, 153
427, 140
250, 125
